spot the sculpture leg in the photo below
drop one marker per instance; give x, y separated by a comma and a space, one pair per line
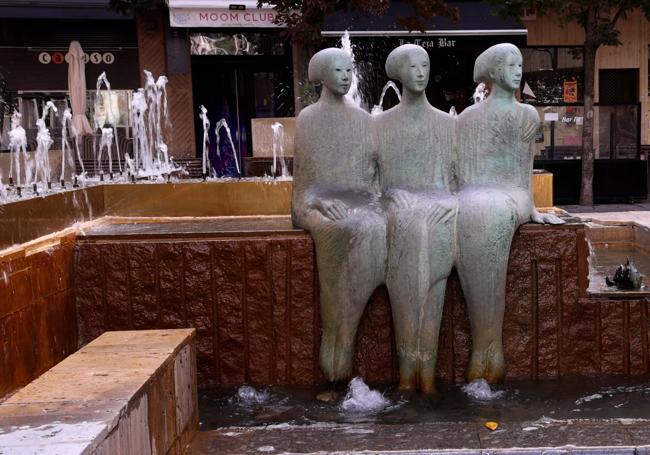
350, 255
487, 221
441, 259
407, 280
420, 257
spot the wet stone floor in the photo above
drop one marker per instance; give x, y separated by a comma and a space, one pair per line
587, 416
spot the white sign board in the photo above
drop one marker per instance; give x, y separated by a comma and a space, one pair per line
220, 17
551, 117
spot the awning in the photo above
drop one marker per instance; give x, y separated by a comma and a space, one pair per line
476, 19
220, 13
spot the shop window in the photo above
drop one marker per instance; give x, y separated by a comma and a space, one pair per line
553, 75
560, 136
617, 131
210, 43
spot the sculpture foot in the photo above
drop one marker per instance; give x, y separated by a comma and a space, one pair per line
429, 389
407, 384
487, 364
336, 364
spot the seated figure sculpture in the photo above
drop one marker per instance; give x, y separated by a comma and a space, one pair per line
495, 140
336, 198
415, 158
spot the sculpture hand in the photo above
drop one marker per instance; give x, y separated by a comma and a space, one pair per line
545, 218
333, 209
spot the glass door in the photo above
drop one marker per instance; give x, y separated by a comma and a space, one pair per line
234, 90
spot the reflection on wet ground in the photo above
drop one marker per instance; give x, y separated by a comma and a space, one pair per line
575, 398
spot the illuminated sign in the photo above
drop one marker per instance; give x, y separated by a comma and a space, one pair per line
258, 17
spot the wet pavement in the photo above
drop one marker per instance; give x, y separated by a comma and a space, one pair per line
638, 213
577, 415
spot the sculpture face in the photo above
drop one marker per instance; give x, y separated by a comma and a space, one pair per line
338, 75
509, 72
414, 75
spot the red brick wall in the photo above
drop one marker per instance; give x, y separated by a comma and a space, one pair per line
38, 326
153, 57
254, 303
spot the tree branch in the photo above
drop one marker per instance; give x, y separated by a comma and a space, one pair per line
618, 14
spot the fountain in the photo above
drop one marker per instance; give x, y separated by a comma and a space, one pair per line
18, 151
205, 159
480, 93
353, 94
41, 156
379, 107
66, 158
247, 279
278, 150
223, 124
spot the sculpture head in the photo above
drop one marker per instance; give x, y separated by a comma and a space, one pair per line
409, 64
501, 65
333, 68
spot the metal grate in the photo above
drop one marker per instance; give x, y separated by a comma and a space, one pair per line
618, 86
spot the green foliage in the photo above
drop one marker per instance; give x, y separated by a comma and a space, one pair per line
305, 19
135, 6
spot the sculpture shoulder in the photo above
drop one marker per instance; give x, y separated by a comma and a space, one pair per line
306, 114
385, 118
471, 113
358, 114
529, 112
443, 118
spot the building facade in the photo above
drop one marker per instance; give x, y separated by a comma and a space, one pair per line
235, 61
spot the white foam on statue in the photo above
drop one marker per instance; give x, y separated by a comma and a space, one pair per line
479, 389
360, 398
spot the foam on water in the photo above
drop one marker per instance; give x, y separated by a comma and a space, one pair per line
479, 389
248, 395
360, 398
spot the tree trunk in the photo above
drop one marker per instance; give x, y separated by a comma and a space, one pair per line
591, 46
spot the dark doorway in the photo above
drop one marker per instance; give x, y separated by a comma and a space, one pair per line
238, 89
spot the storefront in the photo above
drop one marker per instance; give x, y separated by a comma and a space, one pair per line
34, 40
553, 82
241, 71
452, 48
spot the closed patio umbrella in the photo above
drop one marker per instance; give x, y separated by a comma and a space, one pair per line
77, 90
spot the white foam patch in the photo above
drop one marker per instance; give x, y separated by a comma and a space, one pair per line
248, 395
479, 389
361, 399
588, 398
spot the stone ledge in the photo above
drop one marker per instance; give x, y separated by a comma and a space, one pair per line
133, 391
